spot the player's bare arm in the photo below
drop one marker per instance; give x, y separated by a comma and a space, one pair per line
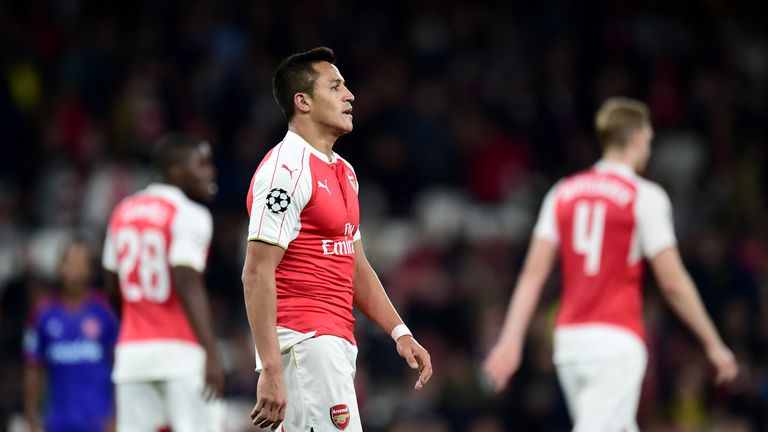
260, 291
680, 292
34, 377
373, 301
504, 358
195, 301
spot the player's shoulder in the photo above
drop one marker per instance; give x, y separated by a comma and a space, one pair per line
286, 167
196, 209
649, 189
133, 199
574, 177
98, 300
99, 305
290, 149
191, 215
171, 195
43, 308
124, 203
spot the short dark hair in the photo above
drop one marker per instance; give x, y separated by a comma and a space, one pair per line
172, 148
295, 74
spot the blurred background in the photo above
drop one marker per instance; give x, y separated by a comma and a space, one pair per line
465, 114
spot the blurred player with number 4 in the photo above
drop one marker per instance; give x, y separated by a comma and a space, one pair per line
167, 371
602, 222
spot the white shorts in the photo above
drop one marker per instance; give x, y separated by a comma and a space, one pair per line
319, 378
601, 371
146, 406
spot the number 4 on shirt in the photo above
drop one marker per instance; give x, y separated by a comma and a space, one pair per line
588, 230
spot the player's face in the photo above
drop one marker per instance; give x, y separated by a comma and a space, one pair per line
643, 142
75, 267
200, 174
331, 100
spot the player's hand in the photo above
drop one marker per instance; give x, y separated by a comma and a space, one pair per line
417, 358
501, 364
271, 400
724, 362
214, 379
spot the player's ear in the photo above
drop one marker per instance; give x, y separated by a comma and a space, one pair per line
303, 102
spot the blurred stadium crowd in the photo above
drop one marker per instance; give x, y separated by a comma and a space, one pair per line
465, 114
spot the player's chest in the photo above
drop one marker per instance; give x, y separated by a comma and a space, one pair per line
73, 339
334, 209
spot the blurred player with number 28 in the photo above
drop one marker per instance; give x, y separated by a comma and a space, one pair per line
167, 372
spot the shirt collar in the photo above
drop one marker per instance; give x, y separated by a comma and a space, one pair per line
293, 136
616, 168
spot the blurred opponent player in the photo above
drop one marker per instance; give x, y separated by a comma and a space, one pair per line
70, 341
602, 222
305, 267
167, 371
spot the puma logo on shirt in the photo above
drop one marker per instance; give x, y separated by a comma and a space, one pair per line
324, 186
290, 171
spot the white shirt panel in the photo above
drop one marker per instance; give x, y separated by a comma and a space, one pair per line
653, 210
109, 255
286, 338
591, 342
286, 173
546, 226
157, 360
191, 233
654, 230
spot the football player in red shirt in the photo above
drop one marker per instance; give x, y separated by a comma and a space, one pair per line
602, 222
305, 267
167, 370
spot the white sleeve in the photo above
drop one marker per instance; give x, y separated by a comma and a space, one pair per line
654, 219
191, 233
109, 254
279, 196
546, 226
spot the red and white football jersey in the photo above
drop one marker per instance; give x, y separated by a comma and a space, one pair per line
307, 204
149, 233
605, 220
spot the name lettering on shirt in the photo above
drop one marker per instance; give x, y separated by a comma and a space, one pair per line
344, 247
152, 212
605, 187
78, 351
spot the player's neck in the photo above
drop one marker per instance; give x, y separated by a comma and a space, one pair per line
72, 298
320, 140
620, 157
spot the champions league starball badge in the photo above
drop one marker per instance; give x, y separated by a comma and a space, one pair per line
278, 200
